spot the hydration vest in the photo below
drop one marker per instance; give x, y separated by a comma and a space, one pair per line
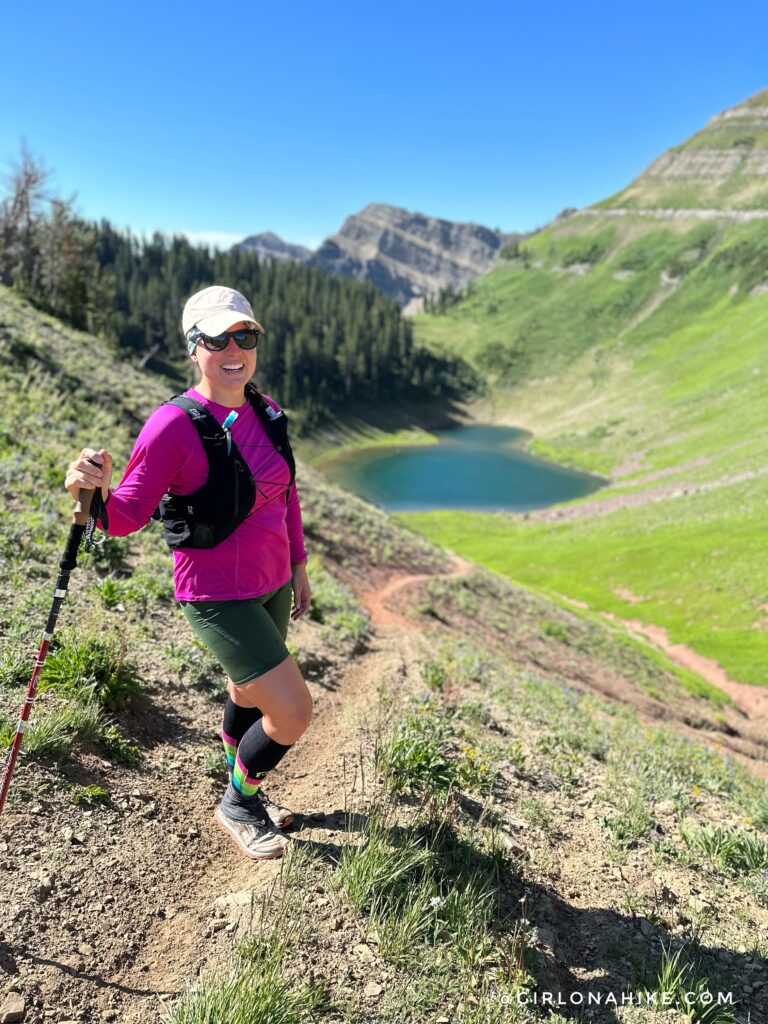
210, 514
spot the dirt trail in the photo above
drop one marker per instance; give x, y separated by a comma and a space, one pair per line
319, 776
376, 601
316, 780
636, 499
752, 700
749, 699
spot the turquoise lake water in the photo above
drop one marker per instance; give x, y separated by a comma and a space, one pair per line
476, 467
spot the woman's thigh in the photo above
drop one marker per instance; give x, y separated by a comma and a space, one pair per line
278, 607
242, 635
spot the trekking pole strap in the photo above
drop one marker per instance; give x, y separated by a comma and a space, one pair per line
97, 513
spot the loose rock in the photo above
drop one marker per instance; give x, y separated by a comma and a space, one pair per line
13, 1009
543, 936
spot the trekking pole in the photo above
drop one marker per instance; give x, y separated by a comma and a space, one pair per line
80, 519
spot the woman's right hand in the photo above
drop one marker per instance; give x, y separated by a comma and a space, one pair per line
83, 475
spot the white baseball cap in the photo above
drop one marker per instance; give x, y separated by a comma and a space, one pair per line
216, 309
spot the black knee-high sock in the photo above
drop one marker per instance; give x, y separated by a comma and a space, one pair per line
256, 755
237, 722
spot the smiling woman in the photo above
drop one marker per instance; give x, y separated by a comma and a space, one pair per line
217, 466
226, 360
225, 351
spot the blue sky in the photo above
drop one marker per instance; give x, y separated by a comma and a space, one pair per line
226, 120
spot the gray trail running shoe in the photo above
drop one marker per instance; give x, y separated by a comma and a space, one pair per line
257, 837
281, 816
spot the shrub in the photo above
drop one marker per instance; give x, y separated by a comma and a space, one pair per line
334, 605
118, 748
112, 591
476, 772
108, 554
434, 674
193, 662
632, 821
93, 666
417, 764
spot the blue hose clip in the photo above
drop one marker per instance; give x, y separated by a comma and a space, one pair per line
227, 427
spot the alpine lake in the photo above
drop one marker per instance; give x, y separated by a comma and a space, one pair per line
479, 467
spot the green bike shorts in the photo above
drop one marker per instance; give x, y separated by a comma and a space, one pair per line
247, 638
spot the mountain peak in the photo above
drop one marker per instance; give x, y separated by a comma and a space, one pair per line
269, 246
724, 166
409, 255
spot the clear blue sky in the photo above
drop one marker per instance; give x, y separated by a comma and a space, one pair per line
247, 116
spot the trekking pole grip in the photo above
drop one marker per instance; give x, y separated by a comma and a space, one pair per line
83, 507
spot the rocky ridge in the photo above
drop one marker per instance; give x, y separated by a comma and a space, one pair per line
408, 256
269, 246
724, 166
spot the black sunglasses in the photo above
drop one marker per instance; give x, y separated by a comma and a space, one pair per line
248, 338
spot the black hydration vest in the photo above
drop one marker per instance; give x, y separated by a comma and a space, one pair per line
210, 514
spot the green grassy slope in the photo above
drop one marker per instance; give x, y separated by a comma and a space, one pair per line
657, 332
637, 349
721, 167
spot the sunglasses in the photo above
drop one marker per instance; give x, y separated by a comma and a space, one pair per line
247, 338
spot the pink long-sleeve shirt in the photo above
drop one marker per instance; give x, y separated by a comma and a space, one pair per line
168, 457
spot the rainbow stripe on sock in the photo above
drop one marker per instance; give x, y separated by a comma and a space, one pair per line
246, 784
230, 749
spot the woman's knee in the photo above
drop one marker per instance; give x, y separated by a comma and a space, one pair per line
283, 697
293, 713
288, 724
303, 710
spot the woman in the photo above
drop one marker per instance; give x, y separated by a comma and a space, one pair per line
234, 574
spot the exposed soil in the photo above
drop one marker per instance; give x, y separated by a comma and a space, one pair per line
110, 912
378, 600
753, 700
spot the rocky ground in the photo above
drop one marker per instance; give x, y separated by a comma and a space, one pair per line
110, 911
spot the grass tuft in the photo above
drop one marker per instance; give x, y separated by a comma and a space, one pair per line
677, 986
733, 851
90, 666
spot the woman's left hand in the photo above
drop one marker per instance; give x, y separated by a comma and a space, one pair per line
301, 591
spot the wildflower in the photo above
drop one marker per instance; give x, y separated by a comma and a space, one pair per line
437, 901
